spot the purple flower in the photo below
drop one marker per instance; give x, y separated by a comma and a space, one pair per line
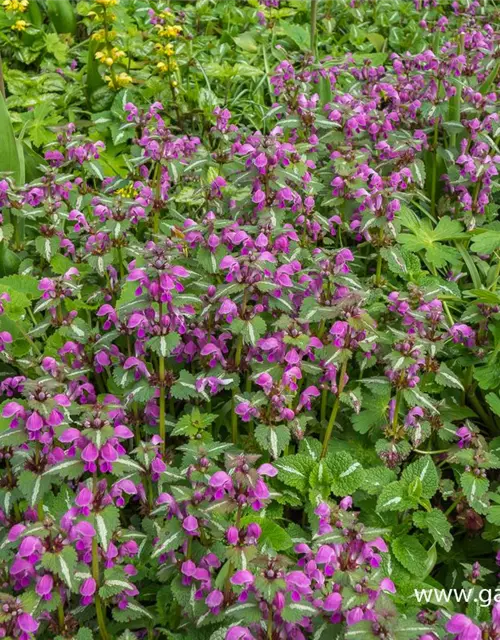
242, 578
44, 586
463, 628
190, 526
87, 591
239, 633
27, 624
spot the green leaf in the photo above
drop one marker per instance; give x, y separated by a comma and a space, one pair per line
170, 539
33, 487
273, 535
297, 610
360, 631
164, 345
425, 470
347, 473
106, 522
447, 378
184, 387
294, 470
391, 498
27, 285
63, 563
486, 243
298, 34
409, 630
251, 330
273, 438
494, 401
410, 553
246, 42
66, 469
376, 479
474, 487
494, 515
247, 612
437, 524
10, 160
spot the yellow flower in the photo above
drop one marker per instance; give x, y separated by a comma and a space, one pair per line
99, 35
15, 5
109, 57
120, 80
169, 30
107, 3
128, 191
170, 65
20, 25
167, 49
173, 31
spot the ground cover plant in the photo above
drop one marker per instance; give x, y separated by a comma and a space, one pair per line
249, 319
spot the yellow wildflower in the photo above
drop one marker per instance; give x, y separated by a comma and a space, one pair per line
99, 35
169, 65
128, 191
167, 49
20, 25
109, 57
107, 3
120, 80
169, 30
15, 5
173, 30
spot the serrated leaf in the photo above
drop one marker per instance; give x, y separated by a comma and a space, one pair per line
294, 470
425, 471
410, 553
437, 524
347, 473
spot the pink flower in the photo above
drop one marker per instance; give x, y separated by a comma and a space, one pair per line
27, 624
238, 633
463, 627
190, 525
87, 590
242, 578
44, 586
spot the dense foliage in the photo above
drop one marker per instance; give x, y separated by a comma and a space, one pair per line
249, 319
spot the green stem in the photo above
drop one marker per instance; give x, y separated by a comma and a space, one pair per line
157, 183
490, 80
456, 100
314, 21
378, 273
120, 262
396, 413
234, 421
60, 616
434, 165
493, 285
452, 507
2, 82
270, 622
430, 452
324, 398
335, 410
478, 408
